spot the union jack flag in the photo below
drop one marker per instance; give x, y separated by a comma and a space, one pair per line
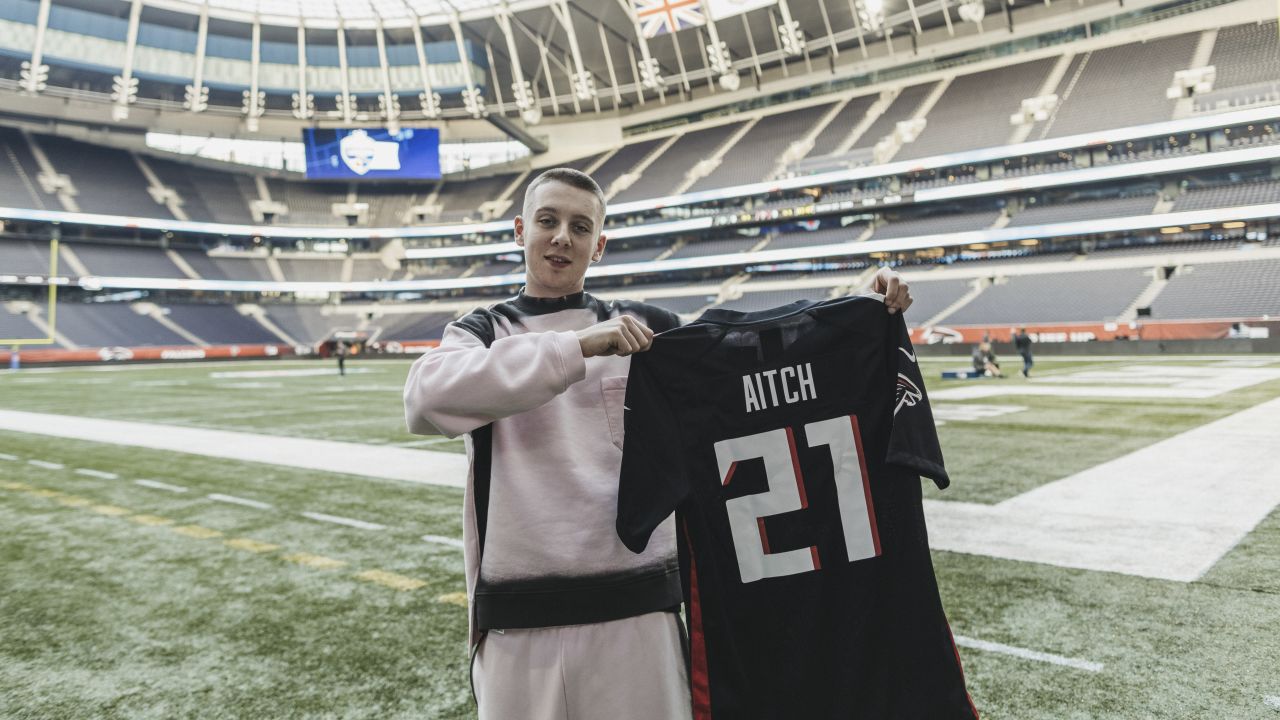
663, 16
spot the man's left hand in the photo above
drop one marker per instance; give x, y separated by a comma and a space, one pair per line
896, 291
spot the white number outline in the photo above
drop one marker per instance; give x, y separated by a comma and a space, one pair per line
747, 513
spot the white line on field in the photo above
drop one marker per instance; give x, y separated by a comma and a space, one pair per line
45, 464
7, 456
160, 486
442, 540
97, 473
1272, 701
238, 501
344, 521
1028, 654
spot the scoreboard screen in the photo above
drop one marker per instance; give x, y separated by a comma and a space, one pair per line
372, 154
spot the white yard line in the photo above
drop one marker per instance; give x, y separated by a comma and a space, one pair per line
344, 521
1026, 654
1272, 701
97, 474
442, 540
238, 501
156, 484
390, 463
7, 456
1134, 381
289, 372
46, 464
1169, 511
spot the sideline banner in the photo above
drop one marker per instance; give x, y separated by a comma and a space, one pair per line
135, 354
1099, 332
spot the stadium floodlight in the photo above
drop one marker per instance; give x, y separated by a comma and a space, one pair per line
35, 78
430, 104
196, 101
253, 108
650, 77
124, 92
730, 81
1191, 82
473, 101
531, 115
870, 13
304, 110
972, 11
584, 86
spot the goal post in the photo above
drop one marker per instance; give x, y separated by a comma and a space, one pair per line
51, 308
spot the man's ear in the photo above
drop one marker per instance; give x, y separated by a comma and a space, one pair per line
519, 224
599, 251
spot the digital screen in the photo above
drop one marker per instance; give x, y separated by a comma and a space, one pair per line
372, 154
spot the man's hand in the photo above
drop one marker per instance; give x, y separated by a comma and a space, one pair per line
896, 291
621, 336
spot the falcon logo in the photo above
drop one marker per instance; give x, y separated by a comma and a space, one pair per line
908, 393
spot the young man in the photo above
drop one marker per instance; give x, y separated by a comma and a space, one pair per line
565, 620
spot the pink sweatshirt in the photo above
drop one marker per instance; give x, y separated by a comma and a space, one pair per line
544, 437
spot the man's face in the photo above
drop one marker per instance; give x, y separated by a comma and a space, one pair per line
560, 233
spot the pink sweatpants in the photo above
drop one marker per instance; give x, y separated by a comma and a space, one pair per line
632, 669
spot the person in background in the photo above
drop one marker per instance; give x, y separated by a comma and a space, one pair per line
1022, 342
990, 364
340, 351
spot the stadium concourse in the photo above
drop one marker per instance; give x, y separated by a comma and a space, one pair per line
200, 202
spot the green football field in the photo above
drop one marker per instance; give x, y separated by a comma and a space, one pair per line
139, 583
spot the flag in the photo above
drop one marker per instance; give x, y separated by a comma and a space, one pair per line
663, 16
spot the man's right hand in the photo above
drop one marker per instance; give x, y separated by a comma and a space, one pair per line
621, 336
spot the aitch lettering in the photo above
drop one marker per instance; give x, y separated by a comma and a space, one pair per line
771, 388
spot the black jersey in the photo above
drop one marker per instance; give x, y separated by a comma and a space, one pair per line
791, 442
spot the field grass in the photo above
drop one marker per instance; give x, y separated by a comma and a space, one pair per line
120, 600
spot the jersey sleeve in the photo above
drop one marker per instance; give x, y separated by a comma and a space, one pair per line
913, 441
653, 480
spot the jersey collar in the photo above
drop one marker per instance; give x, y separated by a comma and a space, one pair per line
542, 306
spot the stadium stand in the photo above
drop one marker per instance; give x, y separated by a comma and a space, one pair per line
112, 324
974, 111
683, 304
461, 199
902, 108
305, 323
1246, 59
126, 261
219, 324
107, 180
1083, 209
940, 223
18, 173
622, 161
631, 254
366, 270
497, 267
389, 204
416, 326
715, 247
664, 175
1129, 81
1054, 297
237, 268
837, 131
753, 301
933, 296
18, 327
1221, 291
1249, 193
310, 269
756, 153
23, 257
309, 203
207, 195
821, 236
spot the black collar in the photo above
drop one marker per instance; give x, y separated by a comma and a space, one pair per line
542, 306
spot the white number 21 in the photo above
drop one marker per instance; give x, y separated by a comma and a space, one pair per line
786, 493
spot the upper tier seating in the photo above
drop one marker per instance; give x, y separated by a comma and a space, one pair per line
622, 161
668, 172
931, 297
756, 153
1246, 54
683, 304
837, 131
309, 203
768, 299
18, 327
724, 246
310, 269
974, 111
903, 107
1122, 86
417, 326
1249, 289
19, 186
107, 180
933, 224
461, 199
305, 323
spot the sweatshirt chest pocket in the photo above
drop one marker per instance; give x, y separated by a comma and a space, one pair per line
614, 391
